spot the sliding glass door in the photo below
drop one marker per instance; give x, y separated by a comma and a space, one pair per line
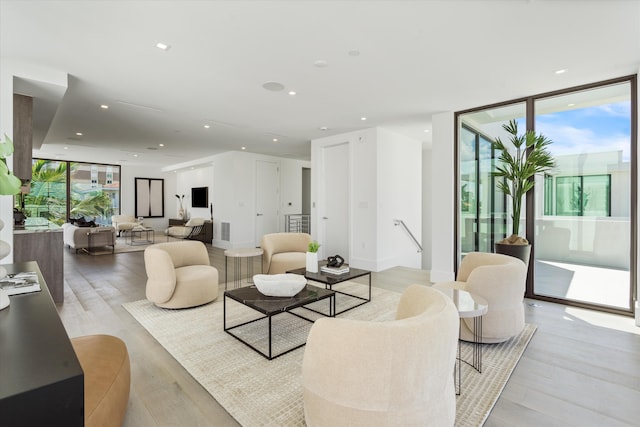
583, 206
580, 217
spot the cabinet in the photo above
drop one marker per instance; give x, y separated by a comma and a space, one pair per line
45, 247
22, 136
206, 235
42, 380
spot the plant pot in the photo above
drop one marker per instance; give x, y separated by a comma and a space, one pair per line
312, 262
522, 252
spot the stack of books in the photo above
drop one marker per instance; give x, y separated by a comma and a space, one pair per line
335, 270
20, 283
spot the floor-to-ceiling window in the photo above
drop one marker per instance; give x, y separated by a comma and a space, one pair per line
580, 216
60, 190
583, 227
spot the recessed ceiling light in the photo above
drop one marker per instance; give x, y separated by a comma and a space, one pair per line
427, 130
66, 148
104, 106
273, 86
135, 155
562, 71
79, 133
163, 46
192, 168
321, 63
207, 126
354, 52
244, 148
323, 128
363, 118
291, 92
570, 105
275, 139
161, 145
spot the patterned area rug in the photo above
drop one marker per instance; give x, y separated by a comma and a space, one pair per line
256, 391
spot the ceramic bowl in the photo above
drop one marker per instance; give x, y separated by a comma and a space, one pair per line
279, 285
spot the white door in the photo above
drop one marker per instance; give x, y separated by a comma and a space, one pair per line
267, 198
334, 215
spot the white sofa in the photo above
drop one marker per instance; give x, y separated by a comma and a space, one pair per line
77, 238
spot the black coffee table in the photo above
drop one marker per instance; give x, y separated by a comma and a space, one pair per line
329, 280
249, 296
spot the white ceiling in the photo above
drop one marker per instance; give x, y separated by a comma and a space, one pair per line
416, 58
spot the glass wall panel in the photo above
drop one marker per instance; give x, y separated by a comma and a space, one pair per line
583, 226
483, 218
93, 192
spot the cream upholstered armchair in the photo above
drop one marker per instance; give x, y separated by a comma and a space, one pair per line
193, 227
180, 275
500, 279
284, 251
396, 373
123, 222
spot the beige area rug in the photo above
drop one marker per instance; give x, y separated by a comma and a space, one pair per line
259, 392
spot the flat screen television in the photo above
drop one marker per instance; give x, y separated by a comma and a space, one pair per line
200, 197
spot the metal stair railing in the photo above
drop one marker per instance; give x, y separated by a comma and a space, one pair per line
415, 241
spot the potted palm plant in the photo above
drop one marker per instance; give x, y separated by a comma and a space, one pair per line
520, 159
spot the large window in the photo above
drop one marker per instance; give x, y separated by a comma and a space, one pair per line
580, 217
60, 190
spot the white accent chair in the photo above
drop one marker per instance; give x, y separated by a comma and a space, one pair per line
501, 280
395, 373
192, 228
180, 274
123, 223
284, 251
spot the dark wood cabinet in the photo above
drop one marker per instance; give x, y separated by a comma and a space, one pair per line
206, 235
46, 248
41, 380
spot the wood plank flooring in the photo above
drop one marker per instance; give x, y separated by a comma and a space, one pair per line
581, 368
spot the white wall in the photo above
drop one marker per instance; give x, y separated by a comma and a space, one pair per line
127, 193
426, 209
399, 184
234, 194
12, 68
185, 181
385, 182
442, 206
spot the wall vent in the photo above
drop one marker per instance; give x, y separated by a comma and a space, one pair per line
226, 231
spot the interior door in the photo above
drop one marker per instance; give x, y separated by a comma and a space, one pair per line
267, 198
334, 218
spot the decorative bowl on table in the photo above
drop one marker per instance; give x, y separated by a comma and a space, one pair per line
279, 285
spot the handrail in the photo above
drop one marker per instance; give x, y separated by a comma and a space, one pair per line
401, 222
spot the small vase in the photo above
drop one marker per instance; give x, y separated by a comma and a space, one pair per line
312, 262
181, 213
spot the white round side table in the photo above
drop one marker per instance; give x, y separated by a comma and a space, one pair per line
470, 306
237, 255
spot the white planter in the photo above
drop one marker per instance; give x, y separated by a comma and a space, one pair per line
312, 262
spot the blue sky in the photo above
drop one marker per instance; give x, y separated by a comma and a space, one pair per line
587, 130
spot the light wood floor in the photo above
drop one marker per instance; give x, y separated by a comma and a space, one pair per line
581, 368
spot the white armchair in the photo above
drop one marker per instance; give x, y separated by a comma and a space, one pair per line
284, 251
500, 279
192, 228
396, 373
123, 222
180, 274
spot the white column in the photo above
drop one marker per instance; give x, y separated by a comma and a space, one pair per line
442, 202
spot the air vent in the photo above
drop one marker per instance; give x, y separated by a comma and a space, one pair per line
226, 231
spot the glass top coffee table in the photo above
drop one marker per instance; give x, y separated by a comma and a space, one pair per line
329, 280
249, 296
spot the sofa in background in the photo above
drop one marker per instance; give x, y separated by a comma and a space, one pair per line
179, 274
284, 251
78, 237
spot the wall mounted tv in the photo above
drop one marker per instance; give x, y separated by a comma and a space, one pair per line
200, 197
